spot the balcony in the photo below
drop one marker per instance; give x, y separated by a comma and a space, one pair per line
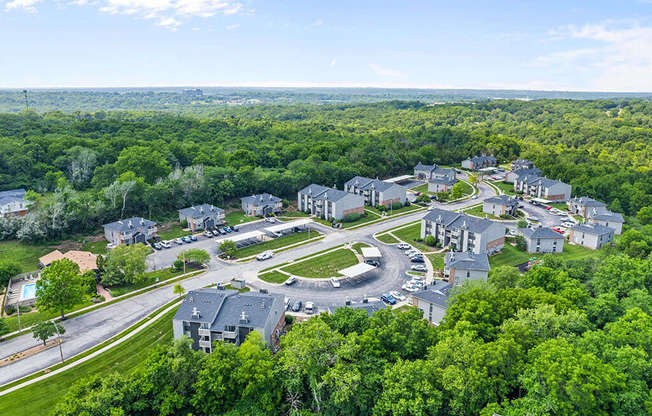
204, 332
229, 334
205, 344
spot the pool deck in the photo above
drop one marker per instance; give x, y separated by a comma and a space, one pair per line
17, 289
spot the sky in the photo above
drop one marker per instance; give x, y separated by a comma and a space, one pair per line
547, 45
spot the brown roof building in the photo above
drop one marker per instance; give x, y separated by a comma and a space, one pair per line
85, 260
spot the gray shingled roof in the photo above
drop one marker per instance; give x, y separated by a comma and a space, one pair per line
503, 200
595, 229
455, 220
367, 183
524, 174
370, 307
129, 224
436, 293
200, 210
478, 159
607, 216
4, 200
545, 182
443, 180
263, 198
322, 193
586, 201
224, 307
540, 232
16, 193
421, 166
467, 261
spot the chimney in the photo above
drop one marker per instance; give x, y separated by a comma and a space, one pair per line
130, 225
195, 313
365, 300
244, 319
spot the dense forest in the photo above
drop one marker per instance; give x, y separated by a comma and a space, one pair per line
566, 339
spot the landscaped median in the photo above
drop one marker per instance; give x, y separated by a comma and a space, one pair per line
409, 233
279, 244
122, 353
511, 256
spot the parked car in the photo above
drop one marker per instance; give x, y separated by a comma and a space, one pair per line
276, 234
152, 244
474, 197
193, 237
186, 239
178, 241
335, 282
387, 298
548, 207
166, 244
533, 218
290, 280
215, 232
419, 268
403, 246
235, 228
228, 229
158, 246
433, 197
417, 259
372, 263
287, 304
512, 233
222, 231
207, 234
270, 219
310, 308
297, 306
417, 193
559, 230
430, 208
398, 295
410, 288
412, 252
264, 256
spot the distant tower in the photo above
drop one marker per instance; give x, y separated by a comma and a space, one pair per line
26, 103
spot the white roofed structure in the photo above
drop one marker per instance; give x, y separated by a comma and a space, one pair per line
399, 179
284, 226
371, 253
241, 237
357, 270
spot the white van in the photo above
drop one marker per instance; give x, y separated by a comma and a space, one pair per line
310, 308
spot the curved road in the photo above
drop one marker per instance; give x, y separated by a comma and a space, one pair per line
87, 330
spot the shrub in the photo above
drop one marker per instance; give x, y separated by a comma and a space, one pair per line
177, 265
306, 211
8, 269
184, 224
25, 309
352, 217
505, 216
289, 319
10, 310
285, 203
397, 205
423, 198
430, 240
381, 208
521, 224
331, 220
521, 244
407, 203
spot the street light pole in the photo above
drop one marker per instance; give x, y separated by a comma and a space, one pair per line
59, 339
18, 309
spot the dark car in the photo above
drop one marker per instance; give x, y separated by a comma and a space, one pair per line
373, 263
193, 237
186, 239
417, 259
235, 228
297, 306
433, 197
387, 298
152, 244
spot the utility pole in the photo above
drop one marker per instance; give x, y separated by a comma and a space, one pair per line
26, 103
59, 339
184, 262
18, 309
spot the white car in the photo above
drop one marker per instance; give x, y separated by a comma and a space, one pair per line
403, 246
290, 280
512, 232
178, 241
270, 219
410, 253
431, 207
409, 288
474, 197
310, 308
533, 218
335, 282
264, 256
398, 295
419, 268
166, 244
554, 210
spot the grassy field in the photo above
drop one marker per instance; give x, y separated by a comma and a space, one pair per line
410, 233
324, 266
24, 254
466, 188
273, 277
437, 260
401, 210
96, 247
559, 205
162, 275
238, 217
423, 189
276, 243
358, 247
370, 217
511, 256
506, 187
29, 319
173, 232
477, 212
243, 290
386, 238
294, 214
124, 358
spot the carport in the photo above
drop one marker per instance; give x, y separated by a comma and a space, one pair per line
243, 240
357, 270
371, 253
399, 179
285, 226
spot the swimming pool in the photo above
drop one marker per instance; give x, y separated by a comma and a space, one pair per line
28, 292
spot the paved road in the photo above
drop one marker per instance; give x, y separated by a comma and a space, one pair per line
90, 329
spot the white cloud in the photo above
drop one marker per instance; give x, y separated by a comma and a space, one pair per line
26, 5
318, 23
387, 72
333, 62
231, 27
618, 55
168, 13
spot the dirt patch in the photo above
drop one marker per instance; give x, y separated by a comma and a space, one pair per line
27, 353
67, 245
166, 226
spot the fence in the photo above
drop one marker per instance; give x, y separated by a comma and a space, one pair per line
14, 282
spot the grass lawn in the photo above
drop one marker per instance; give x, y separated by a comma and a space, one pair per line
124, 358
276, 243
401, 210
423, 189
243, 290
162, 275
506, 187
362, 220
410, 233
324, 266
273, 277
96, 247
26, 255
386, 238
466, 188
511, 256
173, 232
477, 212
29, 319
238, 217
358, 247
437, 260
559, 205
294, 214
